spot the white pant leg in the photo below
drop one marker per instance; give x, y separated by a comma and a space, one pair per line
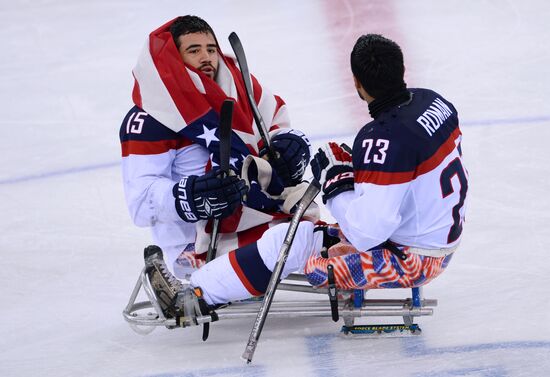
221, 284
305, 243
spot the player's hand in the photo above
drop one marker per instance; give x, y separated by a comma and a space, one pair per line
294, 151
208, 196
332, 167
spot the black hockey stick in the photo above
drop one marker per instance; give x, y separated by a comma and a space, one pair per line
310, 194
226, 119
238, 49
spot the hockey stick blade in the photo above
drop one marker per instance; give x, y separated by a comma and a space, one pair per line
310, 194
238, 49
226, 120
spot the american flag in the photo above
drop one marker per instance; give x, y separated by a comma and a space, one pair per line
372, 269
188, 102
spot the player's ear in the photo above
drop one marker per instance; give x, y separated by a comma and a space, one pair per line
361, 91
357, 83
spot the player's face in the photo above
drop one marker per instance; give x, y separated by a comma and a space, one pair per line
199, 50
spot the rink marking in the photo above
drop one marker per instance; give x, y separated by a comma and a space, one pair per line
55, 173
495, 371
323, 361
471, 123
244, 371
416, 347
81, 169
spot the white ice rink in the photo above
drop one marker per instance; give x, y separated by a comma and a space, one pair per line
70, 255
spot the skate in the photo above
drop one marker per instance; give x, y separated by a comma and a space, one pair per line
177, 300
176, 304
165, 286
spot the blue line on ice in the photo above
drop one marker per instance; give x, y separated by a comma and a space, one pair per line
490, 371
321, 354
416, 347
55, 173
245, 371
80, 169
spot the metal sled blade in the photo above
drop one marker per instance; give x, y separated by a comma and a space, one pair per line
381, 331
140, 320
144, 316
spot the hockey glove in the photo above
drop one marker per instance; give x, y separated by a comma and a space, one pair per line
330, 237
208, 196
262, 190
332, 167
294, 151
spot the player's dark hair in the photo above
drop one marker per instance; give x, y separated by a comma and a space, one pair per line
189, 24
377, 63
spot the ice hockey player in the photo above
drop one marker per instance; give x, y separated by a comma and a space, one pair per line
399, 198
170, 147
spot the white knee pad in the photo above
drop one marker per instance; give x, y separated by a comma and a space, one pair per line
305, 243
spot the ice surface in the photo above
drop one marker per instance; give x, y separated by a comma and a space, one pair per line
70, 254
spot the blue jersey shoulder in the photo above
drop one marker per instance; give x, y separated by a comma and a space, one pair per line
406, 135
140, 126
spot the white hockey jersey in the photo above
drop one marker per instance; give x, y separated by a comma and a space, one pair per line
410, 180
172, 132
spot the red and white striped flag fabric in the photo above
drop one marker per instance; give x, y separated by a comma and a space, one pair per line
188, 102
179, 96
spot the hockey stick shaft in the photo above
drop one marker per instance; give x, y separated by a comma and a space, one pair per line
303, 205
238, 49
226, 120
310, 194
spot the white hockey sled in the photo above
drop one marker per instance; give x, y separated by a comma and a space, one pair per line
145, 316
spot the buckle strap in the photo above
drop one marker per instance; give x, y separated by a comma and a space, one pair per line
394, 249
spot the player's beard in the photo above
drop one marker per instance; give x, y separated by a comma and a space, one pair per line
210, 71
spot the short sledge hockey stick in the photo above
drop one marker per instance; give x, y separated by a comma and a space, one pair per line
226, 119
238, 49
310, 194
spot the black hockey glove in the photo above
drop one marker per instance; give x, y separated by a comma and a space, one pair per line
330, 237
332, 167
208, 196
294, 151
261, 195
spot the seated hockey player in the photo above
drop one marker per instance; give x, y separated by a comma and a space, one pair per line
398, 195
401, 193
170, 147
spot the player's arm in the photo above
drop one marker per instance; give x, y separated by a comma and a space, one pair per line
291, 145
154, 192
148, 152
365, 197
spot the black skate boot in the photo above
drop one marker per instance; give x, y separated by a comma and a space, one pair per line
177, 300
164, 284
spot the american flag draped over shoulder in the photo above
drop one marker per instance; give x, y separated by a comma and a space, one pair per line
188, 102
